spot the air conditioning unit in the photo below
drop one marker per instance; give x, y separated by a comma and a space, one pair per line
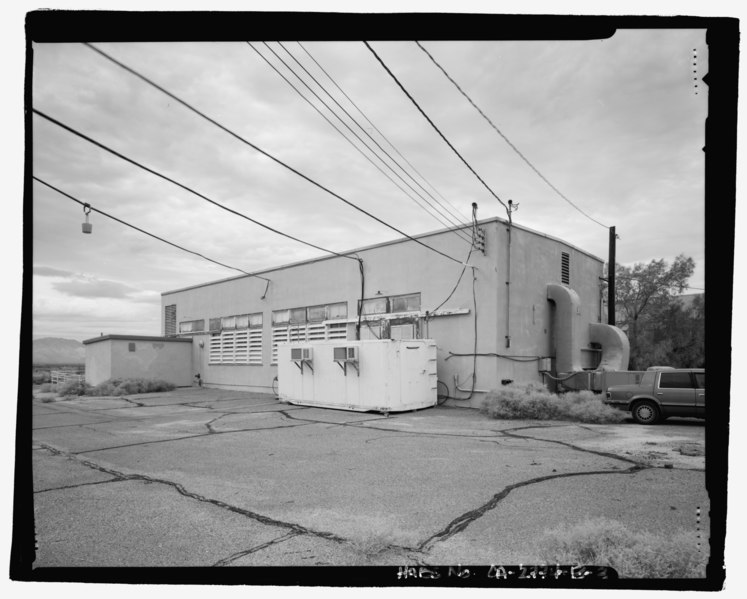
345, 354
301, 354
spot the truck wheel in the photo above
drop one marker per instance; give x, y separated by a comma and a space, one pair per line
646, 412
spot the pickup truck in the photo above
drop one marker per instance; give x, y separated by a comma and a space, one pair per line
660, 394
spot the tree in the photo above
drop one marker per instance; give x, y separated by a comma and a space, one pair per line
647, 309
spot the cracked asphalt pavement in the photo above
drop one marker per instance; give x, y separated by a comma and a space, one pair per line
203, 477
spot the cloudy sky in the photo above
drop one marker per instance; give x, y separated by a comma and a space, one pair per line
617, 125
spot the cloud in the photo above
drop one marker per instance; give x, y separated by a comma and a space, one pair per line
93, 288
48, 271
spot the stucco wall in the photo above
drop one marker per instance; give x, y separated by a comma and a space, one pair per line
406, 267
139, 357
98, 361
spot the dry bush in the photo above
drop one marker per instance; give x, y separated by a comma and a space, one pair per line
73, 388
117, 387
533, 401
633, 554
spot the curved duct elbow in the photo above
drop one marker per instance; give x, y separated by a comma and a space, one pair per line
567, 318
615, 346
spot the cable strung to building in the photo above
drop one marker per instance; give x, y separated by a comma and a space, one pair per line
508, 141
336, 128
263, 152
427, 118
453, 210
442, 213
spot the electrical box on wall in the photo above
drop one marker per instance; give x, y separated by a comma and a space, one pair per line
370, 375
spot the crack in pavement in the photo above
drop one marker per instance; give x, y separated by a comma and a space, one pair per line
43, 428
121, 476
232, 558
132, 401
604, 454
209, 425
98, 482
197, 436
461, 522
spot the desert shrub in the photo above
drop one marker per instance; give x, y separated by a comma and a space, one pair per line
117, 387
47, 388
533, 401
72, 388
633, 554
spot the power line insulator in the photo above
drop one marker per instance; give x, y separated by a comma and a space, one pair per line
480, 240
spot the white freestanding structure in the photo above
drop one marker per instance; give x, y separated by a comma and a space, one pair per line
385, 375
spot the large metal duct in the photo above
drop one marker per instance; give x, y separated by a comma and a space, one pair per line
566, 327
615, 346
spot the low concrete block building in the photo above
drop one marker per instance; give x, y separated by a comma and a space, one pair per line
127, 356
526, 307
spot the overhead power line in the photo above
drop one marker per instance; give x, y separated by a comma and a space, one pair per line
189, 189
86, 205
263, 152
336, 128
402, 87
513, 147
454, 210
437, 206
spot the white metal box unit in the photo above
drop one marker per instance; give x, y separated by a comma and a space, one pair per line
370, 375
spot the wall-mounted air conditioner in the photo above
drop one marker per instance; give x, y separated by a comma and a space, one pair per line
345, 354
302, 354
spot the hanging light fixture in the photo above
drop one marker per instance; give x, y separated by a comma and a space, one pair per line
87, 227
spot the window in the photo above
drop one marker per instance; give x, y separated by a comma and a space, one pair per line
375, 306
393, 304
700, 379
316, 313
192, 326
280, 317
565, 268
239, 340
405, 303
169, 322
214, 324
312, 323
675, 380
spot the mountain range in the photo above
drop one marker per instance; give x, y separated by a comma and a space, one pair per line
54, 350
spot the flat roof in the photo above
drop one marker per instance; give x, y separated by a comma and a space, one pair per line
378, 245
135, 338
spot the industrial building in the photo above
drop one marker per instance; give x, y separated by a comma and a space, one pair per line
516, 305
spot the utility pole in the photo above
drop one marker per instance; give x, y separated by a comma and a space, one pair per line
611, 280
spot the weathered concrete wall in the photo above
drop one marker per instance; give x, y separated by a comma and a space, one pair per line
119, 356
407, 267
98, 360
